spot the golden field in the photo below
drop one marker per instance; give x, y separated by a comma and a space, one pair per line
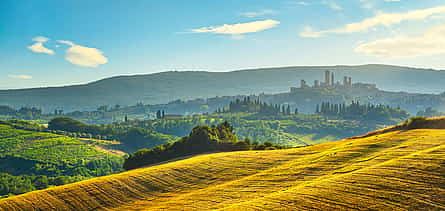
388, 170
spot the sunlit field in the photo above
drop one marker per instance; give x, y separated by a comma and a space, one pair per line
401, 169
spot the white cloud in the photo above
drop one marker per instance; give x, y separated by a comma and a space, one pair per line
381, 19
66, 42
40, 39
392, 0
258, 13
332, 4
301, 3
20, 76
367, 4
38, 47
83, 56
432, 42
237, 36
310, 33
240, 28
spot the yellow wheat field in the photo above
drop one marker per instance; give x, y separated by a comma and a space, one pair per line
397, 170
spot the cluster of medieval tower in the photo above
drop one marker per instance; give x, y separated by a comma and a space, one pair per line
329, 81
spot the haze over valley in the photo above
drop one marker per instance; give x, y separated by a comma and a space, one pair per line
222, 105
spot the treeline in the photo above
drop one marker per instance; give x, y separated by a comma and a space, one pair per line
92, 168
260, 127
255, 106
201, 139
133, 138
28, 113
430, 112
358, 111
11, 185
42, 176
16, 180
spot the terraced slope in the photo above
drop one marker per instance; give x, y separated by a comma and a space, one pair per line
44, 147
31, 160
396, 170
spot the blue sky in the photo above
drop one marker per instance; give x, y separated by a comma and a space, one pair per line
53, 42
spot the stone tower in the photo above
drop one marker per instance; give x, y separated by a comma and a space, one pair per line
327, 78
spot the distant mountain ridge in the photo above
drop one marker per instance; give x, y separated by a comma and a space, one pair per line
168, 86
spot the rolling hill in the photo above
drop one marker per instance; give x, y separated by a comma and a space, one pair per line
168, 86
26, 156
394, 169
46, 147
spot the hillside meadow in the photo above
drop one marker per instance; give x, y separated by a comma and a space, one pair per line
32, 160
388, 170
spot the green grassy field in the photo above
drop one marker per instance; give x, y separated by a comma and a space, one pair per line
31, 160
396, 169
44, 147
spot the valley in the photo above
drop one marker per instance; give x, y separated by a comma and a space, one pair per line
32, 160
372, 171
222, 105
165, 87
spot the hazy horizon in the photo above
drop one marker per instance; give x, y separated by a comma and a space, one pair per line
54, 43
198, 70
234, 104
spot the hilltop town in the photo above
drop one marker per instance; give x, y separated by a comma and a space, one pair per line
330, 83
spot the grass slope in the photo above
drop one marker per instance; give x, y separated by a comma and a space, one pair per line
400, 169
45, 147
32, 160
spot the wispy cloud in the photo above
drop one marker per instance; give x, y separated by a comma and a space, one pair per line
240, 28
382, 19
38, 46
40, 39
83, 56
301, 3
332, 4
427, 44
367, 4
371, 4
329, 3
260, 13
20, 76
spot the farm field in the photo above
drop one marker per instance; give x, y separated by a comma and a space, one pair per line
388, 170
229, 105
45, 147
32, 160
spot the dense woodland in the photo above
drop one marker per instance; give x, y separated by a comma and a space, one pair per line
26, 113
358, 111
255, 106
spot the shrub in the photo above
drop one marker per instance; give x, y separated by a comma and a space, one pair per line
416, 122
